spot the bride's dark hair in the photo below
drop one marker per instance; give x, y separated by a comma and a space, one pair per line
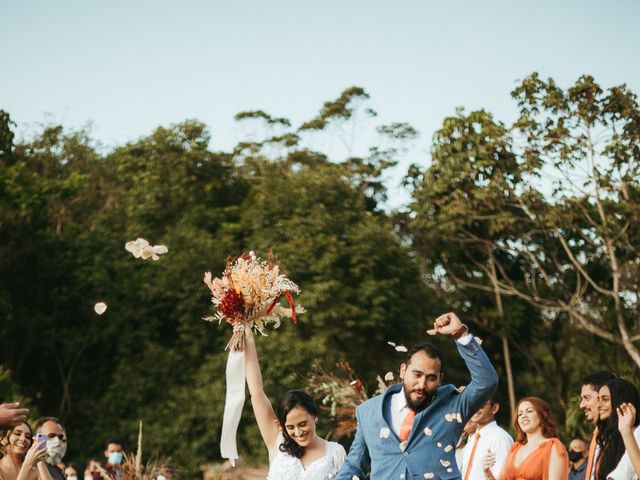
291, 400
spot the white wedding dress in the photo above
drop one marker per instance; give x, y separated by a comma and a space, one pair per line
286, 467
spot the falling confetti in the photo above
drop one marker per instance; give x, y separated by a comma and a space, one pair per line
100, 308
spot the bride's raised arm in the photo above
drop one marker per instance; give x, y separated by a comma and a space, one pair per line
262, 408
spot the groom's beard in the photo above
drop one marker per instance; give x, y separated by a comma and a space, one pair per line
418, 404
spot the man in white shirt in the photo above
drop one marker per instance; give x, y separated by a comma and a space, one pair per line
489, 438
590, 386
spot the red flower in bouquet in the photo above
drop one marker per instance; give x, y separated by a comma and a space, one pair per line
232, 305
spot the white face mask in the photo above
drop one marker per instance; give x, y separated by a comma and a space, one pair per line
88, 477
56, 449
72, 477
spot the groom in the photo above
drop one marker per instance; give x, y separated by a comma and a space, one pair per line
411, 430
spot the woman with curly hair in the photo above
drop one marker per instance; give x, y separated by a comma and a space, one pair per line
22, 459
536, 454
296, 452
615, 396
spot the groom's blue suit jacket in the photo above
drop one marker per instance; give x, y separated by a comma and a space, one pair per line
430, 449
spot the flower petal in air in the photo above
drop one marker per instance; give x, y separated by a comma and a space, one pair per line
428, 475
401, 348
160, 249
100, 308
428, 432
388, 377
392, 344
147, 252
448, 448
445, 463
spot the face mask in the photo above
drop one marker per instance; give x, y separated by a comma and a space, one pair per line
574, 456
115, 458
161, 477
88, 477
72, 477
56, 449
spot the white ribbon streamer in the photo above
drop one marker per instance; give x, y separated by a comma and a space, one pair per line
232, 406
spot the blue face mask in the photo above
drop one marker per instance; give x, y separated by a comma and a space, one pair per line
115, 458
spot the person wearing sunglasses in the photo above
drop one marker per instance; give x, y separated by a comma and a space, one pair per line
56, 444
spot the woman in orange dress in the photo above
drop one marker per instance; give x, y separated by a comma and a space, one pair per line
536, 454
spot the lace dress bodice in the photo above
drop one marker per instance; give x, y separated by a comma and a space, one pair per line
284, 466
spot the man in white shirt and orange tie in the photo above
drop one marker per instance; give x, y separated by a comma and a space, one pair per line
488, 447
590, 386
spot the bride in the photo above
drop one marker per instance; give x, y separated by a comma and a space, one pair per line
296, 452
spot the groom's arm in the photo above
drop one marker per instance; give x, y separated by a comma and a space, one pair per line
358, 461
484, 378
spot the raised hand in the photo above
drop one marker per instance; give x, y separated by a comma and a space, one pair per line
626, 417
11, 415
447, 324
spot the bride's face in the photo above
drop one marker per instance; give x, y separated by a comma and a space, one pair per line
301, 426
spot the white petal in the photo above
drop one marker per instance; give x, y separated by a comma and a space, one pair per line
384, 432
449, 418
160, 249
448, 448
147, 252
355, 477
388, 377
392, 344
141, 243
428, 475
449, 470
445, 463
155, 257
130, 246
439, 445
100, 308
428, 432
459, 417
401, 348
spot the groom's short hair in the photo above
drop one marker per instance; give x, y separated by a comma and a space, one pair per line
428, 348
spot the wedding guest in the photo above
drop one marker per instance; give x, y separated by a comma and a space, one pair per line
489, 445
536, 454
22, 458
578, 452
590, 386
611, 461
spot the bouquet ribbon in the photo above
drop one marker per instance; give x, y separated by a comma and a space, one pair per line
232, 406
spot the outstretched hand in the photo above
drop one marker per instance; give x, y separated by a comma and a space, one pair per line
626, 417
11, 414
446, 324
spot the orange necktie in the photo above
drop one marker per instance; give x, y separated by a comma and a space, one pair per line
592, 451
407, 423
473, 453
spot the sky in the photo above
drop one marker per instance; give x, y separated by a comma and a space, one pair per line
127, 67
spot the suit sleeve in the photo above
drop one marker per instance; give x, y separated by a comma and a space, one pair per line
358, 461
484, 378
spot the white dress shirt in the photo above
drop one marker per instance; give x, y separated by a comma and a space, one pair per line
493, 438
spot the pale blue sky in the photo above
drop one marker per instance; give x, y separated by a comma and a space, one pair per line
129, 66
